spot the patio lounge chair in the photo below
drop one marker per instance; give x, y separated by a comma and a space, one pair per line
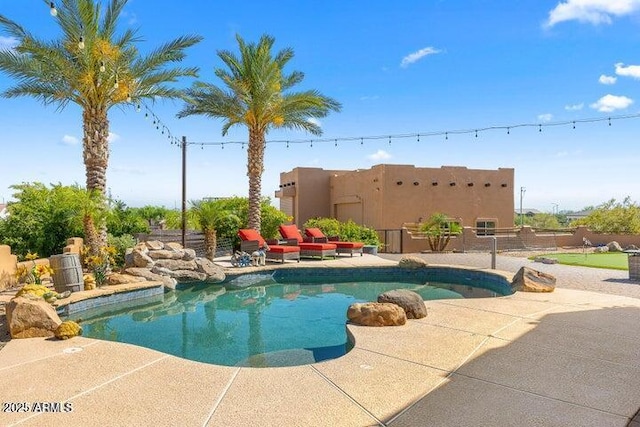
342, 247
251, 241
307, 249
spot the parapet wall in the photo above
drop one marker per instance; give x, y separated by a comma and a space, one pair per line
524, 238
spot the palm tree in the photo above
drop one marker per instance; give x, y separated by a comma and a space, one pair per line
211, 215
438, 229
255, 96
94, 67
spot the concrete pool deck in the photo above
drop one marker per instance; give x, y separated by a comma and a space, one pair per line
568, 358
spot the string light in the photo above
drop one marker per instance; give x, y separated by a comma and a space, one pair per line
81, 43
115, 84
52, 9
103, 68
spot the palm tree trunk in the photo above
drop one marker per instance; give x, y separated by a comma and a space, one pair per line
95, 152
255, 168
210, 243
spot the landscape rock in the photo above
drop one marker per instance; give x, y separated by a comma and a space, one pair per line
214, 273
601, 249
189, 276
173, 246
154, 245
31, 317
614, 246
631, 247
168, 282
410, 301
376, 314
530, 280
189, 254
411, 261
166, 254
121, 279
141, 259
176, 264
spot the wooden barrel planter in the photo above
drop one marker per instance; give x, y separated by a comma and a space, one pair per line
67, 272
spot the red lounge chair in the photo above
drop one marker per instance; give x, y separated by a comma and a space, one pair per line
307, 249
251, 241
342, 247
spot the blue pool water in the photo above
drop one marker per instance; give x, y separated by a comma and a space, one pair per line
267, 324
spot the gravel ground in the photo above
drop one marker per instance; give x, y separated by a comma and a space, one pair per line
584, 278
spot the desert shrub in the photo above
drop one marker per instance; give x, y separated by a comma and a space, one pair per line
347, 231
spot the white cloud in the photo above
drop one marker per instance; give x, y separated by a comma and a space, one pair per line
609, 103
574, 107
8, 43
607, 80
545, 118
591, 11
415, 56
113, 137
70, 140
314, 121
628, 71
379, 155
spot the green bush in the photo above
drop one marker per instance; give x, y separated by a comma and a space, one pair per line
347, 231
121, 244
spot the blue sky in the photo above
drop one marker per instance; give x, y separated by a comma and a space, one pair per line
413, 67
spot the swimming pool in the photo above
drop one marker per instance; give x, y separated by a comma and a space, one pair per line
280, 318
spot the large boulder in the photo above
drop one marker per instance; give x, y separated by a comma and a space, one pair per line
530, 280
410, 301
166, 254
154, 245
180, 275
141, 258
176, 264
168, 282
30, 317
215, 273
121, 279
376, 314
614, 247
189, 254
412, 261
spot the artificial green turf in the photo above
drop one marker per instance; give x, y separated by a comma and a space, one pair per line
613, 260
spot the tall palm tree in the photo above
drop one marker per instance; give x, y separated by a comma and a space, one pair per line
95, 67
255, 96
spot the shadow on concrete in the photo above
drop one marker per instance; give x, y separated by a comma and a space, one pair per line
580, 369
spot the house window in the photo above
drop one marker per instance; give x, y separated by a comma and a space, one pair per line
485, 227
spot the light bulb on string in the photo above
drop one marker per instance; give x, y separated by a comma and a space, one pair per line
287, 144
138, 108
476, 133
539, 128
128, 97
389, 139
311, 143
52, 9
574, 124
418, 138
103, 67
81, 43
508, 131
222, 146
336, 143
446, 135
609, 121
115, 84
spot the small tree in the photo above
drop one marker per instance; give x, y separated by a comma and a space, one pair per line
211, 215
439, 229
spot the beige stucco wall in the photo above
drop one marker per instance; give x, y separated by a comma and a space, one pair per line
392, 195
308, 193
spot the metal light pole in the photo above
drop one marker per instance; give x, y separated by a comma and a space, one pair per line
522, 191
183, 146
